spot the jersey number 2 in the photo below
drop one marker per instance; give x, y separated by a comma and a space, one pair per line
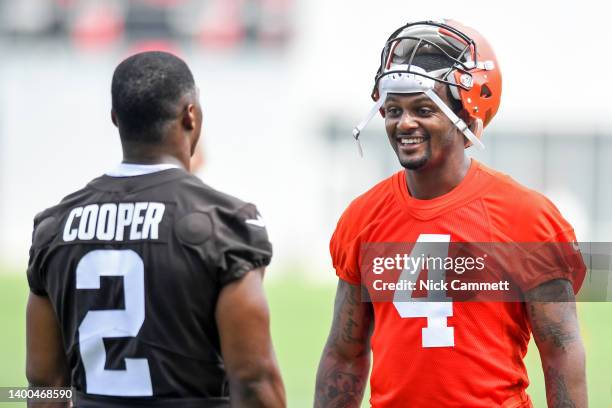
135, 380
436, 308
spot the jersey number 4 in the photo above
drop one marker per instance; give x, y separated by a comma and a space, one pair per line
437, 307
135, 380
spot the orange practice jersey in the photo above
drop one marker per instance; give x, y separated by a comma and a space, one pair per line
471, 356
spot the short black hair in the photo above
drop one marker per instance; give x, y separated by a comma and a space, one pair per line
146, 89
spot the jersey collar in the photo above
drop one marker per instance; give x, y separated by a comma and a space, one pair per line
470, 187
131, 169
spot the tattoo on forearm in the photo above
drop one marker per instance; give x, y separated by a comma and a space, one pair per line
347, 331
556, 390
341, 390
343, 369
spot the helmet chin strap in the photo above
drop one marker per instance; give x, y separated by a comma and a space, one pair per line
457, 121
409, 83
357, 129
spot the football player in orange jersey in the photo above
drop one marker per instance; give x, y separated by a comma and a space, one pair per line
438, 86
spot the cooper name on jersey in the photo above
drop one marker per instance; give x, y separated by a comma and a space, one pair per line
114, 222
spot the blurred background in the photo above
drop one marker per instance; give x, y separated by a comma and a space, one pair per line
282, 83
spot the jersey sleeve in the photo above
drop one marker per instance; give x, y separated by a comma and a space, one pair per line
241, 241
551, 251
344, 249
42, 234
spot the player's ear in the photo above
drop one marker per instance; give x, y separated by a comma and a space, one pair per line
190, 117
114, 118
195, 137
193, 123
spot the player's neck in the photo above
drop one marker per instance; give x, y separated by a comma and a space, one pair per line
429, 183
147, 154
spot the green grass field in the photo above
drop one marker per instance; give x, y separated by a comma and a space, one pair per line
301, 314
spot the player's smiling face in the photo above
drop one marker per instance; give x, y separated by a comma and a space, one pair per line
419, 132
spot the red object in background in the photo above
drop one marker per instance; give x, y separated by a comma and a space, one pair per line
222, 25
274, 23
97, 27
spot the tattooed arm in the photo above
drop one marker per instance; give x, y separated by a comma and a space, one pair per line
345, 363
551, 309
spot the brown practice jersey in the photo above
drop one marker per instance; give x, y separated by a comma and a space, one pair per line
133, 267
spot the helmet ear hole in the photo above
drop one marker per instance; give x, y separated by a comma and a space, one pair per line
485, 92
